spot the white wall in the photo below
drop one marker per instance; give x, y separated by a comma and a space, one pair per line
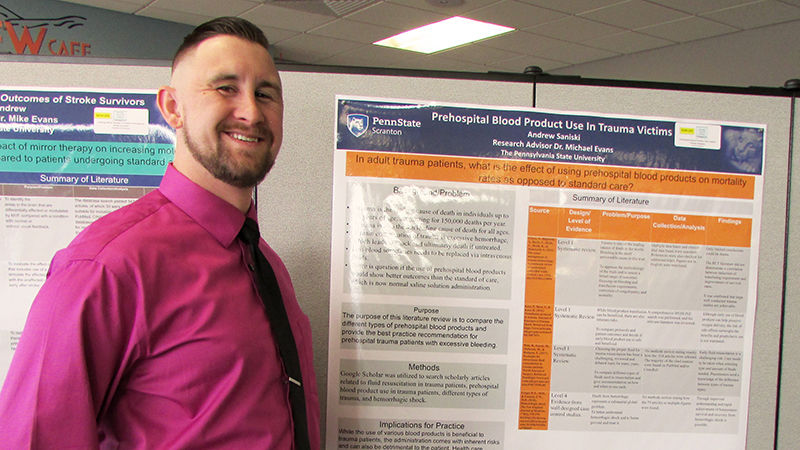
766, 56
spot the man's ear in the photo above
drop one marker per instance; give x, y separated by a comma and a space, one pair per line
168, 105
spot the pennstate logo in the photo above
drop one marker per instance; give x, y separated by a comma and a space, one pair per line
358, 124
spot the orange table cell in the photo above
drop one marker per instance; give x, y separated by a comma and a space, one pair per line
534, 410
541, 259
536, 368
579, 223
679, 229
537, 328
729, 231
543, 221
625, 226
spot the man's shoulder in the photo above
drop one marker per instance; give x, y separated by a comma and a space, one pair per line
122, 227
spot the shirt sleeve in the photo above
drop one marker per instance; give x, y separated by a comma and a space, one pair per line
69, 360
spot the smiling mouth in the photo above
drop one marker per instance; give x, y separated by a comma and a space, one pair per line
244, 138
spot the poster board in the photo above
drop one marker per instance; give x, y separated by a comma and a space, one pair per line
299, 189
69, 156
540, 278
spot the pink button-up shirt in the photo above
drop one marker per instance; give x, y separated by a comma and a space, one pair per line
149, 333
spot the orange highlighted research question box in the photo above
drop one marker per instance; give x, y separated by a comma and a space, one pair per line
548, 174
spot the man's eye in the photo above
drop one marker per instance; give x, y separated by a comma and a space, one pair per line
264, 95
226, 89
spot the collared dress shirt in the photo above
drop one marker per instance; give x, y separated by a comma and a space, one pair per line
149, 333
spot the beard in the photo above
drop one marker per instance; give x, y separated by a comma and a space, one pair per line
222, 164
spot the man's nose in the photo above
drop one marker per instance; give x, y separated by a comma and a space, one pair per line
248, 109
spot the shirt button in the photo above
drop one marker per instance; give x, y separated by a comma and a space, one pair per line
251, 267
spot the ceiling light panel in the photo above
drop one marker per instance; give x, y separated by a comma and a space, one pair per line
444, 34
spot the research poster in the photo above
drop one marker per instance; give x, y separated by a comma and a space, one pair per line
67, 157
522, 278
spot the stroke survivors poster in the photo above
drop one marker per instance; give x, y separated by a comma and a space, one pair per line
522, 278
67, 157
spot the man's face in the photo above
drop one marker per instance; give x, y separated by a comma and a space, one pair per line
229, 97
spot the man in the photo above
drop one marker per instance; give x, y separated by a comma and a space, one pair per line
150, 331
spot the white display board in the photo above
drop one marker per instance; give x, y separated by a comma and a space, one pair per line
541, 278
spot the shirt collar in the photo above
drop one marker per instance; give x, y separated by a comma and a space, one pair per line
221, 219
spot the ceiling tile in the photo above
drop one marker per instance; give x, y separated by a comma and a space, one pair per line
372, 56
330, 8
285, 18
628, 42
521, 42
396, 16
557, 50
305, 48
125, 6
634, 14
450, 8
276, 35
354, 31
173, 16
698, 7
213, 8
572, 6
477, 53
574, 29
758, 14
685, 30
574, 53
554, 34
514, 14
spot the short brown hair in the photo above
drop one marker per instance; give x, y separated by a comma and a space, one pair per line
231, 26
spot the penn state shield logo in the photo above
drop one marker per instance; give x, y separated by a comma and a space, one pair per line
358, 124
